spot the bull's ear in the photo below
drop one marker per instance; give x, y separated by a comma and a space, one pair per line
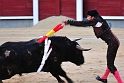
76, 39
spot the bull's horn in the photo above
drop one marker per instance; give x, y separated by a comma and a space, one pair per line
82, 49
76, 39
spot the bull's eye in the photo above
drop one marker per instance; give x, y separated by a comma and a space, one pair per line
77, 52
55, 59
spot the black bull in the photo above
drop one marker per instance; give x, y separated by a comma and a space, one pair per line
26, 57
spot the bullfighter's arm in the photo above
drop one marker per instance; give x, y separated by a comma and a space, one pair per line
82, 23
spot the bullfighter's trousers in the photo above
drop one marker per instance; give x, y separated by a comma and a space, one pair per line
113, 44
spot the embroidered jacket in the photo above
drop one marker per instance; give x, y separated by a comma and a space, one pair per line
100, 26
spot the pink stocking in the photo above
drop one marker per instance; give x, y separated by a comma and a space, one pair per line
117, 76
105, 74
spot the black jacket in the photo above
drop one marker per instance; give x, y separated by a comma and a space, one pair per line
99, 25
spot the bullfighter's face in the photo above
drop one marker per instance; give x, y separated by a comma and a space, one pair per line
90, 17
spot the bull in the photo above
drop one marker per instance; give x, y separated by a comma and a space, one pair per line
26, 56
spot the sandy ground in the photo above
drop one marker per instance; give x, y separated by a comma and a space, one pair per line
95, 60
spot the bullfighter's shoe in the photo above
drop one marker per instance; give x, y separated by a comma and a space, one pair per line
102, 80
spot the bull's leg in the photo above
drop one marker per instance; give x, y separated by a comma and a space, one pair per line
63, 74
57, 77
1, 81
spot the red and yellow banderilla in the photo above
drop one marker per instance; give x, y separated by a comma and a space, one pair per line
55, 29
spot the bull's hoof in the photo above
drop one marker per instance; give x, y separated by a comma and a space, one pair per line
69, 80
1, 81
61, 82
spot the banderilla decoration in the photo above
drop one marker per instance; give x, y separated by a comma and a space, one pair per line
55, 29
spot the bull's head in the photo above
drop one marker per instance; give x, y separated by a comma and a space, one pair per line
78, 58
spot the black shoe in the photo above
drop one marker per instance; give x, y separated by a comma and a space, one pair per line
102, 80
